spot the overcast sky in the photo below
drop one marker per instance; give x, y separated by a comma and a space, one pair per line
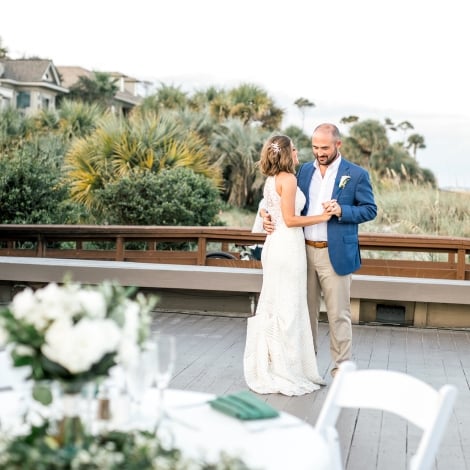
403, 59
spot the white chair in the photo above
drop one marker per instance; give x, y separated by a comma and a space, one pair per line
396, 392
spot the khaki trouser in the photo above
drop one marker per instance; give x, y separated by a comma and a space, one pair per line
321, 277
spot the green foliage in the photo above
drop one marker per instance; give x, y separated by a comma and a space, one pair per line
31, 188
113, 450
171, 197
238, 148
14, 129
99, 88
118, 148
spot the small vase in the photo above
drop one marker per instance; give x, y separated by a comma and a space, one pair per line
73, 413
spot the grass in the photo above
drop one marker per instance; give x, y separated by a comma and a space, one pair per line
402, 208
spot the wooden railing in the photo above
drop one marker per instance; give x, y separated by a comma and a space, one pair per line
382, 254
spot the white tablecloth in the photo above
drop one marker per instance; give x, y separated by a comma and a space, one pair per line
282, 443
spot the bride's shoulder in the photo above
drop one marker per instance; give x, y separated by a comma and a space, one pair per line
285, 176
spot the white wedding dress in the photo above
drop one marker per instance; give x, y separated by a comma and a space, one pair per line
279, 354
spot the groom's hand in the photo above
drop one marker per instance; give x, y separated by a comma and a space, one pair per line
268, 224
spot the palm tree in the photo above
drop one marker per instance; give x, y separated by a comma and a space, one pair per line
237, 148
165, 97
100, 88
405, 126
366, 138
252, 104
120, 147
349, 119
415, 142
303, 104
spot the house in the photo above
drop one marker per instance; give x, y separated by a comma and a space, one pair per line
126, 97
29, 85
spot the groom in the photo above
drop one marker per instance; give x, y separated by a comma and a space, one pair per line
332, 247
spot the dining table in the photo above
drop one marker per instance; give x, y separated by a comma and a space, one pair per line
189, 422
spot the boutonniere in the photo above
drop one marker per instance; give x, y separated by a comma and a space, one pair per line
344, 181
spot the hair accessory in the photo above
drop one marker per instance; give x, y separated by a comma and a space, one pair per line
275, 147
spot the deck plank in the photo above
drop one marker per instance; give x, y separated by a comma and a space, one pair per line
210, 359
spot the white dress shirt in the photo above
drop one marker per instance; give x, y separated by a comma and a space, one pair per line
320, 191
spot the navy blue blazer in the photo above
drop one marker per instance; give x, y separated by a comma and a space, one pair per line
357, 205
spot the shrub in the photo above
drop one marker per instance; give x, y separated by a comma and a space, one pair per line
176, 196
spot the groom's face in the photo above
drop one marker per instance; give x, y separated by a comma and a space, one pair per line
325, 149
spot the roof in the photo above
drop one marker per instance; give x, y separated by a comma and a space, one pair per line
29, 70
70, 74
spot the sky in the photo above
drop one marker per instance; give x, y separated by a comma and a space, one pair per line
406, 60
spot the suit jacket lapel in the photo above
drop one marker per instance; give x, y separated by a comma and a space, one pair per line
342, 171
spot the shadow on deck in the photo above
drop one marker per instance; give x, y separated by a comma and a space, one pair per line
209, 359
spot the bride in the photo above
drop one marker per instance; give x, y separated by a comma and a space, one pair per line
279, 354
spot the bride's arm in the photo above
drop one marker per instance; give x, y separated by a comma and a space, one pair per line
286, 186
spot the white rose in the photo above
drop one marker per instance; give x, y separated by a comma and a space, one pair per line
23, 304
77, 347
92, 303
56, 301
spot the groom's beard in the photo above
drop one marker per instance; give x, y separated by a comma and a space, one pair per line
328, 160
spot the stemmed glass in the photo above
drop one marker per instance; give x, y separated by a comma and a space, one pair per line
164, 355
139, 376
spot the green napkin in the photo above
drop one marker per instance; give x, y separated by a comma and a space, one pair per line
243, 405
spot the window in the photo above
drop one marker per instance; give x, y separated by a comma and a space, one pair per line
23, 100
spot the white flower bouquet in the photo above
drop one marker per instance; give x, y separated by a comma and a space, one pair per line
72, 333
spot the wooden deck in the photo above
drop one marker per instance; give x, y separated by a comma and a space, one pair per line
209, 359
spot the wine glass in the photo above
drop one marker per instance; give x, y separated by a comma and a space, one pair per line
139, 376
164, 355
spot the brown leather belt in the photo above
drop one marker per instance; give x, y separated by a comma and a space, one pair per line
316, 244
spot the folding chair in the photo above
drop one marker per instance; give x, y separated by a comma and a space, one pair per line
396, 392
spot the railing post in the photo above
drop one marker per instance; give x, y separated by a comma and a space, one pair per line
41, 248
201, 251
119, 248
461, 264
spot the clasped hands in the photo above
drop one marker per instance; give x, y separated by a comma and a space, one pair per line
331, 207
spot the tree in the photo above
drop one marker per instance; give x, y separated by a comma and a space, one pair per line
100, 88
415, 142
366, 138
405, 126
349, 119
302, 141
237, 148
303, 104
248, 103
166, 97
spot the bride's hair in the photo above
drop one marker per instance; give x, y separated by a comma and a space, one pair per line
276, 156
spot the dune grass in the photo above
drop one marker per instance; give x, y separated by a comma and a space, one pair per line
402, 208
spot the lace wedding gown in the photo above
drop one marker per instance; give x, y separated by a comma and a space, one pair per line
279, 354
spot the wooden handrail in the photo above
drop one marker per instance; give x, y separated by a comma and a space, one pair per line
382, 254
